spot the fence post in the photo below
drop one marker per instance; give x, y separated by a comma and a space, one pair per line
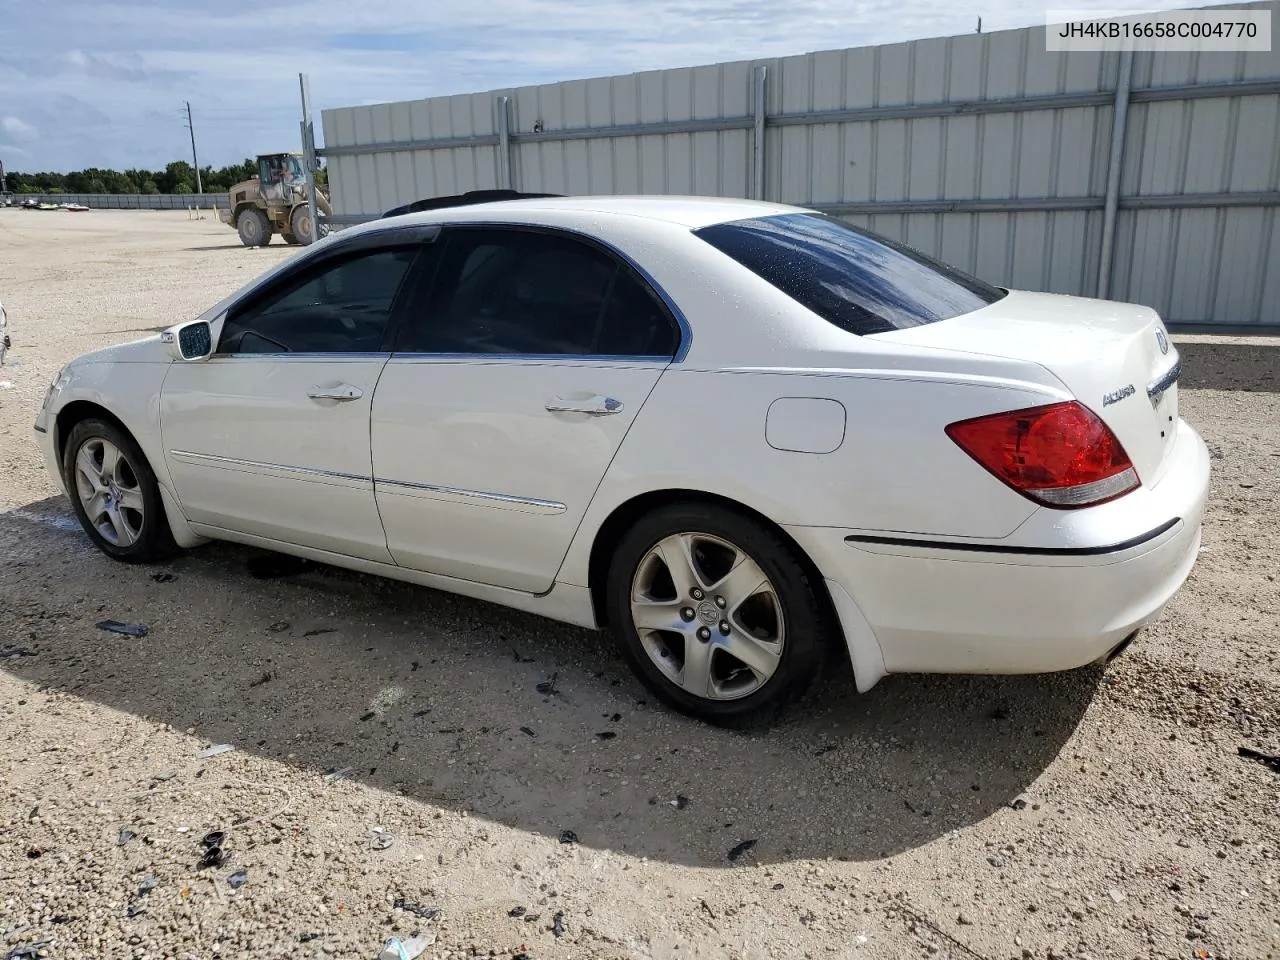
504, 143
309, 162
757, 141
1119, 125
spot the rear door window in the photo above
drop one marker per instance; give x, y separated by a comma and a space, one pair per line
858, 281
510, 292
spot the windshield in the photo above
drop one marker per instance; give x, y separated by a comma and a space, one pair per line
861, 282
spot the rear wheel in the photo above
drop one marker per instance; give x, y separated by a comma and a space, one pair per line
253, 228
290, 239
115, 494
716, 613
302, 226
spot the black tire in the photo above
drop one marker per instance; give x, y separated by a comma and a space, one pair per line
301, 226
290, 239
154, 540
253, 227
806, 632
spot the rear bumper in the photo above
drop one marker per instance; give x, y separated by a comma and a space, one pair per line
1061, 592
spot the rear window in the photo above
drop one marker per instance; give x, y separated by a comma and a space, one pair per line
861, 282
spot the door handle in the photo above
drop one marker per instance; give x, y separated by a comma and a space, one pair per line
593, 406
341, 392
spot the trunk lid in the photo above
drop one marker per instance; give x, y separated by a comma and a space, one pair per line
1116, 358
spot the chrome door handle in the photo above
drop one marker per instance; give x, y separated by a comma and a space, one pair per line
592, 406
342, 392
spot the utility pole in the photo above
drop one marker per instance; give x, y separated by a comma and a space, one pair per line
979, 30
194, 162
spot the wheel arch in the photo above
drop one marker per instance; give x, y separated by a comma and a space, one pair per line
77, 411
627, 513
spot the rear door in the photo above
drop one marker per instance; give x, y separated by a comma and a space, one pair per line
514, 381
270, 436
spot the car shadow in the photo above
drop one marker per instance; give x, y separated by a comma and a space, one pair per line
1215, 365
513, 718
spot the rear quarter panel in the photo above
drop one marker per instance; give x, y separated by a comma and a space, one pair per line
896, 471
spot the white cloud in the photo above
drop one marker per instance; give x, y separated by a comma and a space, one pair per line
16, 128
107, 88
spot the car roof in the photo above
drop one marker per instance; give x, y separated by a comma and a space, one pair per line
690, 212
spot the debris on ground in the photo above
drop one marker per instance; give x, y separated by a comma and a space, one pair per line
568, 836
164, 776
516, 912
318, 631
238, 879
135, 910
334, 775
528, 731
680, 802
380, 839
164, 577
214, 855
557, 924
308, 937
1018, 804
8, 652
742, 848
147, 884
128, 629
1266, 759
214, 751
548, 687
125, 836
27, 951
415, 946
425, 913
267, 677
280, 626
606, 735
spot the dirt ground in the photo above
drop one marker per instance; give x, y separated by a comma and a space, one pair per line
1100, 813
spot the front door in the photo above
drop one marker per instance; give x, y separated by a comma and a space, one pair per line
270, 436
512, 386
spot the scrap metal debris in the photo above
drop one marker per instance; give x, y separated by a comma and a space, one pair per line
125, 836
1266, 759
216, 750
27, 951
127, 629
557, 924
238, 879
425, 913
164, 577
333, 776
528, 731
548, 687
744, 847
568, 836
380, 839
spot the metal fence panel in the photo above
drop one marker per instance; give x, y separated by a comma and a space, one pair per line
983, 149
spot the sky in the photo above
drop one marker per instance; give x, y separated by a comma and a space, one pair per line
103, 82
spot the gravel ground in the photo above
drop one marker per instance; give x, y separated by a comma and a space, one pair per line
1100, 813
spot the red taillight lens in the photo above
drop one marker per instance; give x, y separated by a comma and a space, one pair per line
1061, 455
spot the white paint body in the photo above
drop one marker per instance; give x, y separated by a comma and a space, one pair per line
452, 473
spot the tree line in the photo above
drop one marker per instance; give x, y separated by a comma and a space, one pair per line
177, 177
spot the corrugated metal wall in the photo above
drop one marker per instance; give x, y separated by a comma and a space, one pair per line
983, 149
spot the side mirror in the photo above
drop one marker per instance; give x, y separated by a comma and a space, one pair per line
189, 342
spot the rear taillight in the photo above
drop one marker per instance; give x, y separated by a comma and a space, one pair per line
1061, 455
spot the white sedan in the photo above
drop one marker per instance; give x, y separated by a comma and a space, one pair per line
741, 436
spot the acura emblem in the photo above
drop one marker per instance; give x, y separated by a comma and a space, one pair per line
1163, 341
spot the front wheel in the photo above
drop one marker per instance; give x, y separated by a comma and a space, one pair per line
115, 494
302, 225
716, 613
253, 227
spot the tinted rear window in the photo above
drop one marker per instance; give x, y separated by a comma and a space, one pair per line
861, 282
